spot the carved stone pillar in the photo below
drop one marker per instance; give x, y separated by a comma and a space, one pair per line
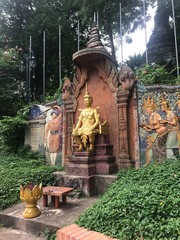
69, 110
124, 160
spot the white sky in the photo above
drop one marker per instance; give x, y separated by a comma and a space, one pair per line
138, 44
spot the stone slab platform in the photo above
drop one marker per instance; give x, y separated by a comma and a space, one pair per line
15, 234
51, 218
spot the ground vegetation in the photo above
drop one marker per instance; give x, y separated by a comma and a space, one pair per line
141, 204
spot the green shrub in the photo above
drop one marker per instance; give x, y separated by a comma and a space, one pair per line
12, 130
16, 170
154, 74
141, 204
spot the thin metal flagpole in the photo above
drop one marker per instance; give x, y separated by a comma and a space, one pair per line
94, 17
144, 12
29, 68
60, 83
97, 19
175, 39
44, 61
78, 34
121, 39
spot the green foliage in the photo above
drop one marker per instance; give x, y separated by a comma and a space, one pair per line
12, 129
11, 87
31, 18
23, 18
50, 235
108, 11
16, 169
178, 80
135, 61
141, 204
155, 74
56, 97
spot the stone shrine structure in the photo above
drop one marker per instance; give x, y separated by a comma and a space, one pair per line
113, 92
114, 96
143, 121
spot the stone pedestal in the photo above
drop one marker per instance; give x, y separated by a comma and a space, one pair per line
85, 185
104, 160
81, 166
84, 165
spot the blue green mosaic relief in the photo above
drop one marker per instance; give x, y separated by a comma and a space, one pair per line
159, 122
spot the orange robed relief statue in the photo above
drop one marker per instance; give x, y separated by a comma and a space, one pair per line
53, 134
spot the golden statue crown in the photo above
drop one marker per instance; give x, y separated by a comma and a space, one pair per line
149, 103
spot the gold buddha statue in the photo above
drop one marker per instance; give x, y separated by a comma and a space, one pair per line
87, 126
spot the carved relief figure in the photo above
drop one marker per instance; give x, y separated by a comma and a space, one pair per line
156, 139
170, 120
53, 134
163, 136
87, 126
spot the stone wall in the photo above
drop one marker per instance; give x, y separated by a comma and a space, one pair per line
34, 134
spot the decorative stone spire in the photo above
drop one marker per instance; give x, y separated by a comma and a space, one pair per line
94, 38
95, 49
87, 93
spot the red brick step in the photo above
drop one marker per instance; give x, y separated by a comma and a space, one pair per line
73, 232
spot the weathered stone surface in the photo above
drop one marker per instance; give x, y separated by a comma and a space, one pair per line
161, 43
34, 133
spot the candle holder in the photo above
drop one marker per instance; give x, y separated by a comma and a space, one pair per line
31, 193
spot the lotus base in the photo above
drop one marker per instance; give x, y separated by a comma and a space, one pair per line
31, 211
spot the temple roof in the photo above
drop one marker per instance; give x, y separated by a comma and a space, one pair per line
95, 49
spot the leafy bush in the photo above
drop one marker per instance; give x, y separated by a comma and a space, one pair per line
153, 74
141, 204
11, 83
12, 130
16, 170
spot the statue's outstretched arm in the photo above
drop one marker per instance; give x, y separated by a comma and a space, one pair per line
96, 117
79, 123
